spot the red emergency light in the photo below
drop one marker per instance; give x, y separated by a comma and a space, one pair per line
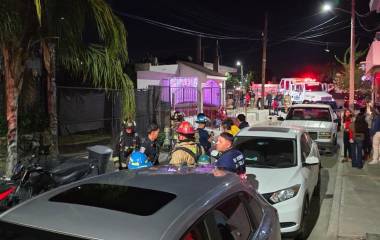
377, 78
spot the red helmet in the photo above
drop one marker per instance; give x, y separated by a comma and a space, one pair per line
185, 128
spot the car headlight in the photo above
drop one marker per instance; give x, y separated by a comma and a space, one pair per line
324, 135
285, 194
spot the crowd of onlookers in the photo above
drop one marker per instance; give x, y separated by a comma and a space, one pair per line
361, 136
273, 101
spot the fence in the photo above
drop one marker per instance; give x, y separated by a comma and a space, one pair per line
87, 116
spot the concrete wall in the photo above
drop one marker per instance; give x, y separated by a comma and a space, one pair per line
149, 78
170, 69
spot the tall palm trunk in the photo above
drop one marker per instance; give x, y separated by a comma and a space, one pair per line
12, 74
48, 50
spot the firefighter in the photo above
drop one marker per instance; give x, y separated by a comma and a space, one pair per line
150, 146
202, 135
176, 118
129, 141
186, 151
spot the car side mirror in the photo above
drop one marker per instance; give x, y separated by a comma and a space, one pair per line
312, 160
280, 118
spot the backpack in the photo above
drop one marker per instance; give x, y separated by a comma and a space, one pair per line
195, 156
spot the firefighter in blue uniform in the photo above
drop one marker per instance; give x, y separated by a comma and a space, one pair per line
203, 136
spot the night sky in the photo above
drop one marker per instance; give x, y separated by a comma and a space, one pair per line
244, 18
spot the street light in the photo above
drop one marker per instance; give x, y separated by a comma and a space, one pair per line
239, 64
328, 7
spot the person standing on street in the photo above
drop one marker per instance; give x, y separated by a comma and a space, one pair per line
231, 159
346, 135
269, 100
150, 146
186, 151
287, 102
247, 99
242, 121
253, 96
375, 132
360, 128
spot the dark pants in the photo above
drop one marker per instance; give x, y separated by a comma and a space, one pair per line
346, 145
357, 153
367, 144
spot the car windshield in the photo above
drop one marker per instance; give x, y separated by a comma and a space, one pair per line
10, 231
309, 114
313, 87
266, 152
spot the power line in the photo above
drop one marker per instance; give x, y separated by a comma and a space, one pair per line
186, 31
324, 33
303, 32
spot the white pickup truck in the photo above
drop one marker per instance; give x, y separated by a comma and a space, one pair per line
319, 120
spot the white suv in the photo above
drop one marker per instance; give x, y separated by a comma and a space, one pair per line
286, 163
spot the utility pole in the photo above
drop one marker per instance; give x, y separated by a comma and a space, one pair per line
352, 57
198, 55
264, 60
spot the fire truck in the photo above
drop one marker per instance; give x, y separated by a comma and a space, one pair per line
305, 90
270, 88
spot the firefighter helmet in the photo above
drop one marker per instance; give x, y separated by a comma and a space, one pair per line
185, 128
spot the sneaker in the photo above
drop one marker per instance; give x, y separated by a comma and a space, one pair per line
373, 162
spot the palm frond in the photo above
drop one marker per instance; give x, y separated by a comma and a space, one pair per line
37, 4
100, 60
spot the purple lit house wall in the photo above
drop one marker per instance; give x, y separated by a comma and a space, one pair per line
211, 93
180, 89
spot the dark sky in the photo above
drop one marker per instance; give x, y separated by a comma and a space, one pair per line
243, 18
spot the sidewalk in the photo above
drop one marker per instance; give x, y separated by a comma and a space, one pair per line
356, 206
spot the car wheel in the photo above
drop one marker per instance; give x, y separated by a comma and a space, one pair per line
303, 231
306, 102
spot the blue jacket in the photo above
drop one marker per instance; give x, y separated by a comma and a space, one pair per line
375, 125
232, 160
203, 139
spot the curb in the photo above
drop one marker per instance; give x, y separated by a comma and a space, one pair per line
334, 221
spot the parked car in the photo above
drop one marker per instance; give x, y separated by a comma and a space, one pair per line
286, 163
157, 203
319, 120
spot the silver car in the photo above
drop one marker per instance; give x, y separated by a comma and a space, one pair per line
156, 203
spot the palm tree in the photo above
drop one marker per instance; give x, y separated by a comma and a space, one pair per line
343, 82
59, 27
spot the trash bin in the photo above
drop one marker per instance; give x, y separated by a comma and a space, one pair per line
100, 156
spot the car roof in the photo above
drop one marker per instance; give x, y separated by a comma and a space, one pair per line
311, 106
195, 189
266, 130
